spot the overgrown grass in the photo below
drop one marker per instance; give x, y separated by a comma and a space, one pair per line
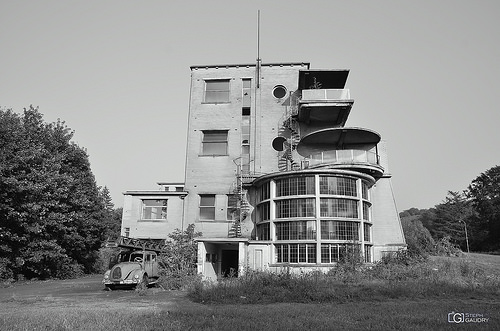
446, 278
394, 295
389, 315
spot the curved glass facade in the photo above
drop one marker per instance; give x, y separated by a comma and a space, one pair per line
315, 218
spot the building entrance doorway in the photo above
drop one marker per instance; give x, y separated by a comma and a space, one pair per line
229, 263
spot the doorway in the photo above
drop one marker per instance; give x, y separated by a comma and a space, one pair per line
229, 263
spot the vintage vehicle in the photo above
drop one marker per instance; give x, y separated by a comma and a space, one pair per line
131, 266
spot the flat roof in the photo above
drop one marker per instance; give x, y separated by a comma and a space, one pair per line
276, 64
149, 192
221, 240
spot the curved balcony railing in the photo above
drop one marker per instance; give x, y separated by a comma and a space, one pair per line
344, 156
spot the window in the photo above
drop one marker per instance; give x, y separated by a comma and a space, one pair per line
207, 207
344, 208
296, 253
264, 192
295, 208
279, 91
364, 190
263, 231
368, 254
245, 140
339, 230
214, 142
263, 211
217, 91
246, 92
338, 186
338, 252
366, 232
295, 186
297, 230
153, 209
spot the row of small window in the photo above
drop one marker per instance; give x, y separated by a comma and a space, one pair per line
328, 185
329, 207
330, 253
306, 230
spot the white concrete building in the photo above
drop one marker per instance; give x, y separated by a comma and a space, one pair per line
274, 177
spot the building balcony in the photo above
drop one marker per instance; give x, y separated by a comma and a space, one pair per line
330, 106
360, 160
325, 95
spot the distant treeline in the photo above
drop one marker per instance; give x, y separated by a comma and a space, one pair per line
475, 210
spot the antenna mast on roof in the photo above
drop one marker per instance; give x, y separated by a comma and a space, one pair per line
258, 51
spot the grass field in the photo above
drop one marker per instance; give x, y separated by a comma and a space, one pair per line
469, 286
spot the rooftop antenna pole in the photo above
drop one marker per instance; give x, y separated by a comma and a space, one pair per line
258, 49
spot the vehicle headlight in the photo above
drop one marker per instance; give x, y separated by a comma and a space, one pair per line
136, 276
106, 275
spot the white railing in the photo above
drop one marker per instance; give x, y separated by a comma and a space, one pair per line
343, 156
326, 94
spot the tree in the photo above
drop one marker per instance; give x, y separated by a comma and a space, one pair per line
418, 238
50, 208
112, 217
484, 192
448, 218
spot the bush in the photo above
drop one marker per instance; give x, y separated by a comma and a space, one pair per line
444, 247
418, 238
178, 260
70, 270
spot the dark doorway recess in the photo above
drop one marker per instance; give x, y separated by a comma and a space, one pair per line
229, 263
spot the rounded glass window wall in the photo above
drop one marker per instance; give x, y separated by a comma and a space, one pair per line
315, 218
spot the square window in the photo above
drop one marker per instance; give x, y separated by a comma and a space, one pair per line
217, 91
214, 142
207, 207
153, 209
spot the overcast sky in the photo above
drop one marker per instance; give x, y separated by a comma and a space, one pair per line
424, 74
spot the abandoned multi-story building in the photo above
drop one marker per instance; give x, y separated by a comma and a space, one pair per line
274, 178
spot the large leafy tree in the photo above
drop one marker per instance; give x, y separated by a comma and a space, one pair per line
450, 218
484, 192
50, 206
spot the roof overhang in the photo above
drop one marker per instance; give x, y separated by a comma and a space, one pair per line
339, 138
156, 193
222, 240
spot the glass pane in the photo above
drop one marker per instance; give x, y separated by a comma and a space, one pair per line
207, 200
217, 96
217, 85
207, 213
209, 136
215, 148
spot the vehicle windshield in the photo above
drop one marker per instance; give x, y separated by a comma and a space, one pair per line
134, 257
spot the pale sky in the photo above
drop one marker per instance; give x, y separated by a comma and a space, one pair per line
424, 74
